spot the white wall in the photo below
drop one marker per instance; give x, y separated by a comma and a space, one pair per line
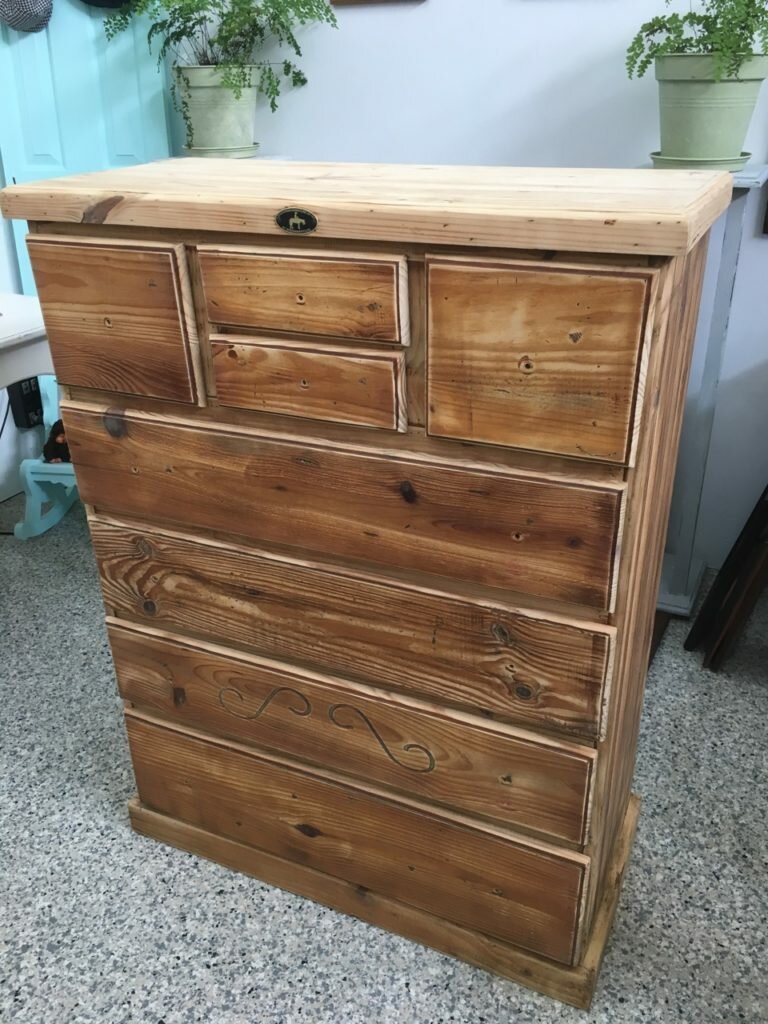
491, 82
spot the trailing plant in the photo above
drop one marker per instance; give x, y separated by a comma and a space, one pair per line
228, 35
729, 30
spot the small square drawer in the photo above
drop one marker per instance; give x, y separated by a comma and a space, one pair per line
119, 315
340, 295
536, 356
343, 384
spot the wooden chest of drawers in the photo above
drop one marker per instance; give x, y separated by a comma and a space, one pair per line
379, 513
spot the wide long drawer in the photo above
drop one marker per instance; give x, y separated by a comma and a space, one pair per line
424, 750
492, 659
528, 894
541, 536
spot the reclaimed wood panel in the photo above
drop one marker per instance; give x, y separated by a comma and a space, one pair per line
605, 210
651, 492
481, 655
543, 537
364, 297
538, 357
119, 315
322, 382
528, 895
422, 749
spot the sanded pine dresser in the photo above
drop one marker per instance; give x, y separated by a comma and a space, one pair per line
377, 462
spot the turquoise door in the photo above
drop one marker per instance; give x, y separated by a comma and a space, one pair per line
71, 102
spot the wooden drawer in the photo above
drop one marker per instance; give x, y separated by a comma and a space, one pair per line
425, 750
525, 893
545, 537
344, 295
536, 356
491, 659
322, 382
119, 316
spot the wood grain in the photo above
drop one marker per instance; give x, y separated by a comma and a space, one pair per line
574, 985
543, 537
541, 357
119, 316
345, 385
650, 486
364, 297
421, 749
577, 209
468, 875
487, 657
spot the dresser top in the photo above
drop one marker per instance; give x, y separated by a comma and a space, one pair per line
657, 212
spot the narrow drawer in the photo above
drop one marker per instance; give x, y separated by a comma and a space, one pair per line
424, 750
322, 382
344, 295
535, 356
490, 659
541, 536
119, 316
527, 894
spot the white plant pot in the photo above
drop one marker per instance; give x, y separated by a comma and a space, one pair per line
222, 124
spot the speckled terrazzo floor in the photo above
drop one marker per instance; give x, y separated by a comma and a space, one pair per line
100, 925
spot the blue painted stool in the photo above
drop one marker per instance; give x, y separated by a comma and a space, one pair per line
50, 484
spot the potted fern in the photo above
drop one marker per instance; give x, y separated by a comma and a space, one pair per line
709, 78
219, 50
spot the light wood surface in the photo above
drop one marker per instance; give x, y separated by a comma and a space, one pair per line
420, 748
535, 356
650, 497
118, 315
476, 653
583, 209
574, 985
473, 877
312, 380
542, 537
363, 297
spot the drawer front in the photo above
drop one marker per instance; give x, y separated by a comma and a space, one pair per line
535, 357
345, 385
491, 660
541, 536
420, 749
343, 296
119, 316
525, 894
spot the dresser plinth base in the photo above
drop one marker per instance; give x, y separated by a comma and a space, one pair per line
574, 985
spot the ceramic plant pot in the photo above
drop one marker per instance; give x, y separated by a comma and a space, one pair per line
222, 123
704, 122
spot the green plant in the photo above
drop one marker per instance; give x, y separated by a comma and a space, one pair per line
727, 29
227, 34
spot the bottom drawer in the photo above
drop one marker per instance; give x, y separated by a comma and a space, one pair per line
527, 894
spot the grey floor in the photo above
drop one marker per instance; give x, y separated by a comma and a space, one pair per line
100, 925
